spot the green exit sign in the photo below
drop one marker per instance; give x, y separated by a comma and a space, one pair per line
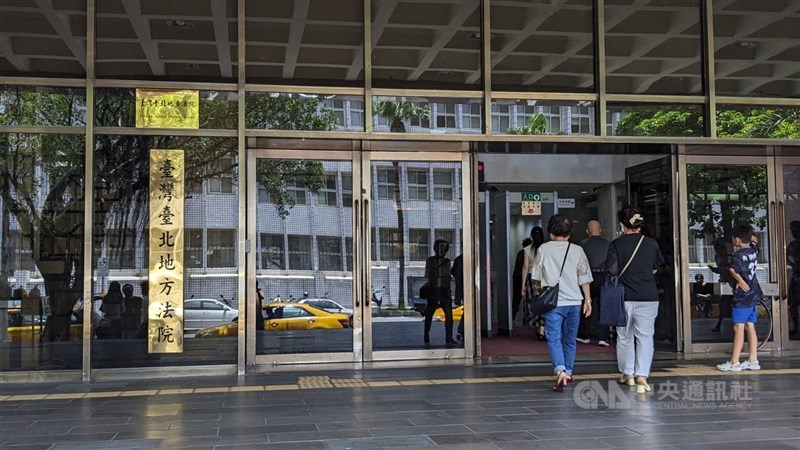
531, 196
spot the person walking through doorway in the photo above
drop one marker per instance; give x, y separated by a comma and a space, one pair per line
516, 278
596, 249
437, 290
537, 238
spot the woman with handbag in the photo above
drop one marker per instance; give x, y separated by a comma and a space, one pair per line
635, 259
565, 275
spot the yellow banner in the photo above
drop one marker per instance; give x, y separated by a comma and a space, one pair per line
167, 109
165, 310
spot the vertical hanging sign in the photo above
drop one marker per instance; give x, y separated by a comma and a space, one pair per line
165, 310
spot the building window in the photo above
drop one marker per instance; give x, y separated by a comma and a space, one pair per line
296, 190
553, 116
418, 244
420, 121
327, 195
450, 237
356, 115
263, 195
271, 251
300, 252
391, 244
21, 251
121, 245
472, 117
387, 184
417, 184
330, 252
501, 118
222, 184
347, 190
443, 184
221, 248
348, 253
338, 108
445, 115
580, 120
193, 244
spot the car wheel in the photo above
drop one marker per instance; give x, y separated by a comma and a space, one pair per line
235, 319
350, 322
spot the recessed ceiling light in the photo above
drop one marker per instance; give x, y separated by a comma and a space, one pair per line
444, 72
747, 44
584, 192
192, 66
177, 23
477, 35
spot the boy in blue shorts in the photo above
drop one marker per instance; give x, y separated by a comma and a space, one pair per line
746, 295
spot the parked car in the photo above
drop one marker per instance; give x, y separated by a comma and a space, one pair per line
199, 313
329, 306
286, 316
458, 313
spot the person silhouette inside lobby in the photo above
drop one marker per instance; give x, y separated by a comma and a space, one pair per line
436, 290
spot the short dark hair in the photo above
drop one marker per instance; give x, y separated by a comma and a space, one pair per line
794, 228
743, 231
699, 276
630, 217
559, 225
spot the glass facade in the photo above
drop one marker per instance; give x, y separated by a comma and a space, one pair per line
358, 73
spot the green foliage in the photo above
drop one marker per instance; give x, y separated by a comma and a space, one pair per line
399, 112
661, 123
537, 124
274, 175
288, 113
22, 105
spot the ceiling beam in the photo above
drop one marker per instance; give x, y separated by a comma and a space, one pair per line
60, 22
21, 63
382, 15
296, 28
464, 9
220, 19
141, 26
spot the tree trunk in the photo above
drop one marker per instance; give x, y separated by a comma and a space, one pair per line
398, 198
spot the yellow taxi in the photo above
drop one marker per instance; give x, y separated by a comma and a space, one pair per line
286, 316
26, 329
458, 313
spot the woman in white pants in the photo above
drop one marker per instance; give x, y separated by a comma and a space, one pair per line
643, 259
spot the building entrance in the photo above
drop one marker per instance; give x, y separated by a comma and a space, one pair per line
343, 243
589, 187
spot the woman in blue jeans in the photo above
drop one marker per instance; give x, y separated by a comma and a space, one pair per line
560, 262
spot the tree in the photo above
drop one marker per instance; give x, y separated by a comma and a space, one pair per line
537, 124
42, 175
398, 113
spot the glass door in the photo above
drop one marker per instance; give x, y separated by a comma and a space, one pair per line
717, 194
416, 249
302, 296
787, 210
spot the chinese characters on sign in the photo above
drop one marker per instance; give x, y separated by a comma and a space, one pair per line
165, 311
167, 109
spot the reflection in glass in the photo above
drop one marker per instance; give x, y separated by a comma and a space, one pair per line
654, 120
427, 115
543, 117
652, 49
748, 121
415, 210
117, 108
312, 112
791, 219
121, 221
542, 46
425, 44
41, 262
166, 40
305, 42
43, 39
756, 58
42, 106
719, 197
304, 251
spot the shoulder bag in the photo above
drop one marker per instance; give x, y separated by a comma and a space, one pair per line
612, 298
547, 300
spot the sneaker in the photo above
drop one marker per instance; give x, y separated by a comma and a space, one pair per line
728, 367
583, 341
602, 343
751, 365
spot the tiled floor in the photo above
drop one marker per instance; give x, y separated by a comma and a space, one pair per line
489, 407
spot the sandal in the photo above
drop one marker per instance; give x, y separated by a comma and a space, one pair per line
629, 381
642, 387
561, 382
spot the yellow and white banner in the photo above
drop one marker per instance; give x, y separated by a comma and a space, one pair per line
165, 310
167, 109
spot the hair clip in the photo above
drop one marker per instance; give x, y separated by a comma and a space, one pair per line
635, 218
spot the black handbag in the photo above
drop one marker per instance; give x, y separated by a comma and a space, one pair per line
547, 300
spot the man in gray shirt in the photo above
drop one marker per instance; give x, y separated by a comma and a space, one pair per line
596, 249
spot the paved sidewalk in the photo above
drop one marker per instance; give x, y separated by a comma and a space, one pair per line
692, 406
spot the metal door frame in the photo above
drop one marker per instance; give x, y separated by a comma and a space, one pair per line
252, 206
781, 306
724, 157
368, 157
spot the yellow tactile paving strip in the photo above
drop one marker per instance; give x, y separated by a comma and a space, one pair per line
325, 382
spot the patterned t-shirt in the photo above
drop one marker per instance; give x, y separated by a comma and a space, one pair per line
744, 262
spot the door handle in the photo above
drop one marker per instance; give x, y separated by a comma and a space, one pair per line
365, 234
772, 217
357, 252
